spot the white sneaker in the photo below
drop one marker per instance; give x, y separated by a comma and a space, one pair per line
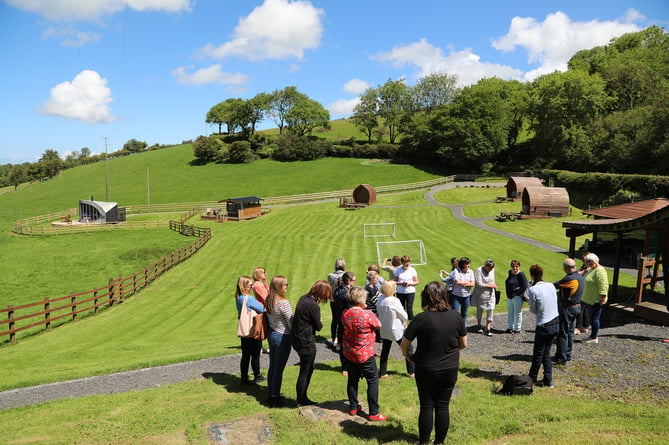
591, 340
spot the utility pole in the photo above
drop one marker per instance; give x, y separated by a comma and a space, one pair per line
106, 171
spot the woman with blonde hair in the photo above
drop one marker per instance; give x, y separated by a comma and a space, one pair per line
260, 289
250, 346
360, 325
280, 317
393, 319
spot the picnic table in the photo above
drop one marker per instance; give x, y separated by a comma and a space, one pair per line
506, 216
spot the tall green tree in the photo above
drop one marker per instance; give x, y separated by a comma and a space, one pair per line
365, 113
433, 91
561, 106
281, 102
393, 102
306, 115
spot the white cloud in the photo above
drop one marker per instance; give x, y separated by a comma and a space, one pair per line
429, 59
212, 74
85, 99
343, 107
356, 86
551, 43
94, 10
278, 29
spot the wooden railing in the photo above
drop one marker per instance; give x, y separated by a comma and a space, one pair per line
69, 307
423, 185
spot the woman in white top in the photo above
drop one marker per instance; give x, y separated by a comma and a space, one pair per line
484, 295
463, 281
406, 278
393, 320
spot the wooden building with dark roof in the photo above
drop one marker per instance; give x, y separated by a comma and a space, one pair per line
650, 218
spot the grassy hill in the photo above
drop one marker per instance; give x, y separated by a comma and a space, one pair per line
340, 130
166, 176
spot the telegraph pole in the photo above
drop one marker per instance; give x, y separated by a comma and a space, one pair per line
106, 171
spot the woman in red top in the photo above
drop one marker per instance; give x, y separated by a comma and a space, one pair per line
360, 325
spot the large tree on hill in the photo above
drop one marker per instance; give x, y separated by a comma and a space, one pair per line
259, 110
306, 115
281, 102
393, 100
232, 112
365, 113
561, 107
433, 91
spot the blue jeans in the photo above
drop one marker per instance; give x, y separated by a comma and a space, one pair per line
595, 311
434, 393
514, 316
461, 304
279, 351
366, 369
543, 341
565, 337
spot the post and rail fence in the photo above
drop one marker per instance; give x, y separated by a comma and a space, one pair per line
59, 310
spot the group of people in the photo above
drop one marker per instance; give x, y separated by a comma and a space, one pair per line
382, 312
386, 306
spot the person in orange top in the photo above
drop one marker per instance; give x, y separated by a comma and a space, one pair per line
260, 290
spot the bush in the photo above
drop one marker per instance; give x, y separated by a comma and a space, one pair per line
206, 148
240, 153
296, 148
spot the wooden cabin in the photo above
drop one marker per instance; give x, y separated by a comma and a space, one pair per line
239, 209
545, 201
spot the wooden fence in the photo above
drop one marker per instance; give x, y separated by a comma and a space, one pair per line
56, 311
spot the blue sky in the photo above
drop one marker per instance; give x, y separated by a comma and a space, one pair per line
78, 71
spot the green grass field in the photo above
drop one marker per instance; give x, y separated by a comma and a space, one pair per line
189, 312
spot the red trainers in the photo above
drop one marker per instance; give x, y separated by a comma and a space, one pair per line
355, 412
378, 417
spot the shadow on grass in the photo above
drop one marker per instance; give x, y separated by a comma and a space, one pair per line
233, 384
384, 432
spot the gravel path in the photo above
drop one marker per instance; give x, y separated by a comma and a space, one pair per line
631, 358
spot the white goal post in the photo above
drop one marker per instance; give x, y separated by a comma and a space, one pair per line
378, 230
413, 248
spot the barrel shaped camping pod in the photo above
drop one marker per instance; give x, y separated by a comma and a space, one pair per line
545, 201
364, 194
516, 184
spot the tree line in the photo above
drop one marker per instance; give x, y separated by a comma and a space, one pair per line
609, 112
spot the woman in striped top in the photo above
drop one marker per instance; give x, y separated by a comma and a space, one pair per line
280, 316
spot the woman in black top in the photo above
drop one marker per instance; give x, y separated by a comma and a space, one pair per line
306, 321
441, 334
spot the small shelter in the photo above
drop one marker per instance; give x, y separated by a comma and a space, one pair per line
246, 207
363, 196
516, 184
100, 212
545, 201
641, 236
